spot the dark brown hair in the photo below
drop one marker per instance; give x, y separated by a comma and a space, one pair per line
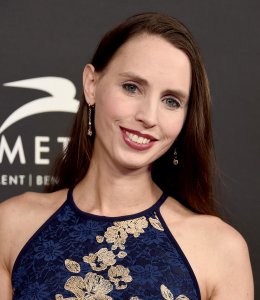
191, 181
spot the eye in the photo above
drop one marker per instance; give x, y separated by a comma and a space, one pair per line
171, 102
130, 88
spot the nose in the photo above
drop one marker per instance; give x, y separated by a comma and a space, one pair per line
147, 112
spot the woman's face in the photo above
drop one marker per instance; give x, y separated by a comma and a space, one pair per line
141, 101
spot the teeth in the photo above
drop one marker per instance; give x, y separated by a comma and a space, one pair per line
137, 139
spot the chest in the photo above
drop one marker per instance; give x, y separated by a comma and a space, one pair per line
75, 256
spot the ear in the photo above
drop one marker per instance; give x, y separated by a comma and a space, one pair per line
89, 83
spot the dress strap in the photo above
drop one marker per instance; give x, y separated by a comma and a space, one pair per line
160, 201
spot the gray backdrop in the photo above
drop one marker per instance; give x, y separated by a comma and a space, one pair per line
48, 42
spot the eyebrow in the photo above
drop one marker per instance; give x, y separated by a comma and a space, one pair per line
177, 93
134, 77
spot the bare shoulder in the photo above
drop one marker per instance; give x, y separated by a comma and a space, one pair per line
35, 197
213, 231
20, 217
29, 205
208, 230
218, 253
231, 273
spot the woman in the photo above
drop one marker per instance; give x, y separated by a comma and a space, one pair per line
131, 215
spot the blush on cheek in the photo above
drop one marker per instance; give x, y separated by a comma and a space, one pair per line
115, 107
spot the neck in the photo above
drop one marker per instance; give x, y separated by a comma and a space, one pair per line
107, 190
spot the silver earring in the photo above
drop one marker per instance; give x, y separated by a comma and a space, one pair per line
175, 157
89, 120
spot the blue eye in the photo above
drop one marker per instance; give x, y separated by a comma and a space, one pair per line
130, 88
171, 102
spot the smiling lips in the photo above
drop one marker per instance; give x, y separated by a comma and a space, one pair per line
137, 140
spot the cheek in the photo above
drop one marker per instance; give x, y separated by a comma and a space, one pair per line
173, 127
112, 105
110, 108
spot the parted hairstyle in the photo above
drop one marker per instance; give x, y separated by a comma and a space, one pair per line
191, 181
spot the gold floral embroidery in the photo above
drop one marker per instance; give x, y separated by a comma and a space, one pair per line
96, 287
118, 233
119, 275
117, 236
99, 238
167, 294
156, 223
92, 287
121, 254
134, 226
103, 257
76, 285
72, 266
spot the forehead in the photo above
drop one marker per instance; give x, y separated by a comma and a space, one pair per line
154, 58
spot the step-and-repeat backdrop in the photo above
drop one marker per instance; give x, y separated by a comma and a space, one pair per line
44, 47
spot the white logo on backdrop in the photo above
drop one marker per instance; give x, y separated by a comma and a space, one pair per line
62, 98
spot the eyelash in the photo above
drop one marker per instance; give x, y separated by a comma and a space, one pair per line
127, 86
174, 102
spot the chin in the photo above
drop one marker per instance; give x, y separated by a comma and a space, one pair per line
134, 164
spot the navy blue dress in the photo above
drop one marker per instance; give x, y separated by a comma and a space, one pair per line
76, 255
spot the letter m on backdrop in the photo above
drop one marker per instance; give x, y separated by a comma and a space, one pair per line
11, 154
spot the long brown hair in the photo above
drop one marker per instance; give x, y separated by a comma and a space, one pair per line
191, 181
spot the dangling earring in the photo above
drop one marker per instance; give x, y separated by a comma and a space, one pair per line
175, 157
89, 119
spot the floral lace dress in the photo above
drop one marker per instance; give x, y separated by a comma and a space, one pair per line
78, 256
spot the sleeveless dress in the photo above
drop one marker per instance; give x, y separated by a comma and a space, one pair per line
76, 255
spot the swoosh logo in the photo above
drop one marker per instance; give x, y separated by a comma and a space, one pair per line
62, 98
